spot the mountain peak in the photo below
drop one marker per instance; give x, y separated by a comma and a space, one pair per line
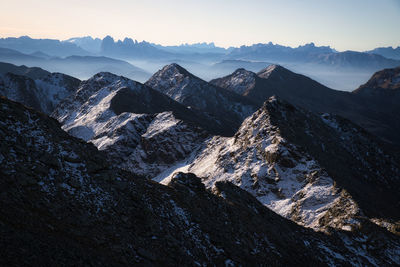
265, 73
276, 104
229, 108
175, 68
104, 78
240, 81
242, 71
104, 75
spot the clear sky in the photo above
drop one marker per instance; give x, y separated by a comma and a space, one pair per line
343, 24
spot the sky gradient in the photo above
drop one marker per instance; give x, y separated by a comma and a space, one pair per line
344, 24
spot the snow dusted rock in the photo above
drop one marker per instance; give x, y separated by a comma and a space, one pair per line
63, 204
229, 108
43, 94
319, 172
141, 129
54, 88
241, 81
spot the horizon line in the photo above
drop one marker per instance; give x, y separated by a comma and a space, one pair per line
194, 43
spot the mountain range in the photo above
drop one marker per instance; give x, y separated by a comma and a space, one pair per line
179, 170
339, 70
66, 205
388, 52
82, 67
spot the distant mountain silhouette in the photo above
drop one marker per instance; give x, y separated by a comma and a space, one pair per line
274, 52
388, 52
129, 48
88, 43
78, 66
51, 47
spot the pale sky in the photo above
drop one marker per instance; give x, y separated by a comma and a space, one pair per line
343, 24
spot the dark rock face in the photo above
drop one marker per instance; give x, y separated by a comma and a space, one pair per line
63, 205
21, 89
366, 170
382, 95
35, 87
33, 72
228, 108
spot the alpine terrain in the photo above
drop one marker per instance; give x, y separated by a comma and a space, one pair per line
66, 205
267, 168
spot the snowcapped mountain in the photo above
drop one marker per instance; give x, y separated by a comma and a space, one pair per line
288, 159
283, 155
229, 108
141, 129
43, 93
63, 203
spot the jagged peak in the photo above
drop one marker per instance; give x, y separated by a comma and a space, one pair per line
173, 74
272, 105
275, 103
275, 107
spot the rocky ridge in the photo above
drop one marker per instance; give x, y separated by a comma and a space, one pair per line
66, 205
288, 158
141, 129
